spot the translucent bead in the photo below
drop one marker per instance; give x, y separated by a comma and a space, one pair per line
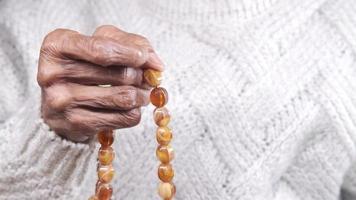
152, 77
106, 155
165, 172
104, 192
165, 154
164, 135
161, 116
166, 190
106, 137
159, 96
106, 173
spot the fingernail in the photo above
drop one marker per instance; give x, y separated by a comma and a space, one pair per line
155, 61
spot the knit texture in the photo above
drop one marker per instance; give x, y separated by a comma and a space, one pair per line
262, 94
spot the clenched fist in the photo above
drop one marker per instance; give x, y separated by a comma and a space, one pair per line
73, 70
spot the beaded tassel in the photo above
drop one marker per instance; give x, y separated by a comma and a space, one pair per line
164, 152
105, 168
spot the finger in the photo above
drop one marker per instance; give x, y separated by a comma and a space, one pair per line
154, 62
90, 74
98, 50
94, 121
109, 98
115, 33
65, 129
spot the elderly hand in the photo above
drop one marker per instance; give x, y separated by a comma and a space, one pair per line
71, 68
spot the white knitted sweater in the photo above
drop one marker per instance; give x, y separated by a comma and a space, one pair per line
263, 95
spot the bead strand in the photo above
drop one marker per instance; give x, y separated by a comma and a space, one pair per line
164, 152
105, 169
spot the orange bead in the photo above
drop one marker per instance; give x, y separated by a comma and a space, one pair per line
159, 96
161, 116
152, 77
166, 190
164, 135
165, 153
106, 155
106, 137
165, 172
106, 173
104, 192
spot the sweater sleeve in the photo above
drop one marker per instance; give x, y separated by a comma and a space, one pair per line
36, 163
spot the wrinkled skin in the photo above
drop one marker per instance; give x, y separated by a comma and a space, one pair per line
71, 68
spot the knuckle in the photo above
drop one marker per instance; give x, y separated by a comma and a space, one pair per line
51, 39
101, 30
75, 120
47, 74
134, 117
100, 51
79, 122
139, 57
93, 48
57, 97
126, 98
51, 36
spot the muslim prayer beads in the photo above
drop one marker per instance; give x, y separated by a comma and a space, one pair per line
164, 151
105, 169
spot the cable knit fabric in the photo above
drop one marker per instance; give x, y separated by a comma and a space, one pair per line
263, 95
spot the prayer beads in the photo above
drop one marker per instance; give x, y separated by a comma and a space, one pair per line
105, 169
166, 190
153, 77
164, 152
159, 97
164, 135
161, 116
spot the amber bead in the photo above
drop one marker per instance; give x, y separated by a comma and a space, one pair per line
106, 173
152, 77
165, 172
165, 153
161, 116
104, 192
106, 155
164, 135
106, 137
159, 96
166, 190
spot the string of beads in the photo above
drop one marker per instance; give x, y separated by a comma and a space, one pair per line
164, 152
105, 169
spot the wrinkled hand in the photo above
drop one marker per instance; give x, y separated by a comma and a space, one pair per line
71, 68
